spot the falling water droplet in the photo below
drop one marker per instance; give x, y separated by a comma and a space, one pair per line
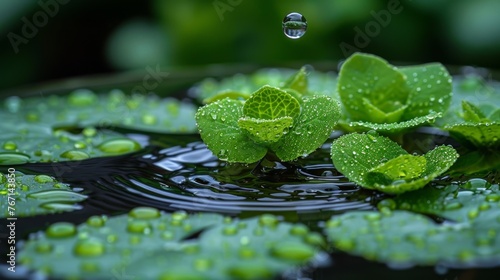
294, 25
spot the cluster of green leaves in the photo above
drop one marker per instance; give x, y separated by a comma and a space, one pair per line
106, 247
389, 99
287, 122
478, 129
35, 195
242, 86
376, 162
58, 128
469, 237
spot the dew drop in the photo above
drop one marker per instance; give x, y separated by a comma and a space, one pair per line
42, 179
203, 264
44, 247
61, 230
80, 145
453, 206
493, 197
292, 251
230, 230
268, 220
294, 25
242, 270
74, 155
299, 230
473, 213
144, 213
10, 145
139, 226
89, 248
96, 221
167, 235
246, 253
119, 146
89, 131
148, 119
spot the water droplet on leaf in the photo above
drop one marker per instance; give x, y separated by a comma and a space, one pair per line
119, 146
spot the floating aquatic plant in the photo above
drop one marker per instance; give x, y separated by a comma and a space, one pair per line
35, 195
76, 127
270, 121
158, 243
376, 162
376, 95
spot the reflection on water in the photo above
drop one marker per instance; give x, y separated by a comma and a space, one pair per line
189, 177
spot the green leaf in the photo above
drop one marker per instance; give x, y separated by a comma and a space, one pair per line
226, 94
403, 239
318, 83
484, 135
311, 129
395, 127
35, 195
219, 129
271, 103
369, 77
475, 90
372, 162
44, 145
82, 108
298, 81
495, 115
355, 154
266, 131
472, 113
430, 88
403, 167
477, 162
258, 248
473, 200
72, 127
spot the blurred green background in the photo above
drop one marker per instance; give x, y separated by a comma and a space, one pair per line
56, 39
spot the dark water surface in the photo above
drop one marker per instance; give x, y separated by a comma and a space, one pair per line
175, 172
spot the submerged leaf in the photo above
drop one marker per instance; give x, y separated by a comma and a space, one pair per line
36, 195
76, 127
256, 248
474, 199
404, 239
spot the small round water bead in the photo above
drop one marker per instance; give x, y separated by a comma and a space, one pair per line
294, 25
